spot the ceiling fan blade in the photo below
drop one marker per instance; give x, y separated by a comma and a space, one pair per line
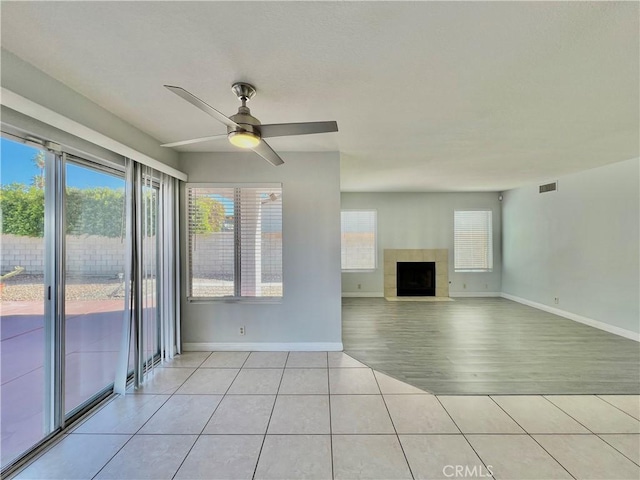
307, 128
265, 151
205, 107
193, 140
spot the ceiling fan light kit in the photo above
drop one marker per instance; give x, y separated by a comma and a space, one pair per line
243, 139
243, 129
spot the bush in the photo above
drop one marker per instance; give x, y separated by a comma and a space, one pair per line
95, 211
89, 211
22, 210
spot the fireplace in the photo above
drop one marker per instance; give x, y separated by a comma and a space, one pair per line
416, 279
394, 256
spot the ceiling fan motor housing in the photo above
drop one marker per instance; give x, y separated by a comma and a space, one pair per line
247, 122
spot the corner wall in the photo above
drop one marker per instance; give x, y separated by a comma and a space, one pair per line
423, 221
309, 315
579, 244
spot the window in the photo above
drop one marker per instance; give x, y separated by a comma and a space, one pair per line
473, 241
235, 241
358, 238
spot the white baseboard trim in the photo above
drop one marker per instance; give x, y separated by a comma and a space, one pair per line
576, 318
474, 294
362, 294
263, 347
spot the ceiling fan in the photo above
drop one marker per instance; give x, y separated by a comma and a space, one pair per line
244, 130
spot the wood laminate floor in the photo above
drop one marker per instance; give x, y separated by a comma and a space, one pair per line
487, 346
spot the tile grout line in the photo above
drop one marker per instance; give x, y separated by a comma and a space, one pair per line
393, 424
615, 448
531, 436
264, 437
617, 407
210, 416
464, 436
330, 426
90, 415
571, 416
147, 421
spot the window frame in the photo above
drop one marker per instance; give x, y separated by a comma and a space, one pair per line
490, 247
375, 241
235, 298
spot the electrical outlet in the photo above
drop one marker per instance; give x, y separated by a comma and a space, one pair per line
464, 285
486, 286
241, 331
556, 300
359, 286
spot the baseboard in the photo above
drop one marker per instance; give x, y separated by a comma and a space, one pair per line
362, 294
474, 294
451, 294
576, 318
263, 347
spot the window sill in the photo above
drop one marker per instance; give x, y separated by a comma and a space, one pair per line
473, 271
261, 300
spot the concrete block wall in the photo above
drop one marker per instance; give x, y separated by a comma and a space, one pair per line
17, 251
86, 255
214, 253
104, 256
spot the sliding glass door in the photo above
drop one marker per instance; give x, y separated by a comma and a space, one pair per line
25, 322
95, 254
62, 288
82, 265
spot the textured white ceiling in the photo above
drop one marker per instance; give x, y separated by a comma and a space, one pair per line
429, 96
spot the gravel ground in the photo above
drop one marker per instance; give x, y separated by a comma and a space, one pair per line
31, 288
207, 289
90, 291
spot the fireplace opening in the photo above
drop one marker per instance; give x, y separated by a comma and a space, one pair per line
416, 279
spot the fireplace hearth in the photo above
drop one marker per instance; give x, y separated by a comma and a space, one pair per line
416, 279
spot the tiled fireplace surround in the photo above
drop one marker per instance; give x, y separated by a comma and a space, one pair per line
440, 256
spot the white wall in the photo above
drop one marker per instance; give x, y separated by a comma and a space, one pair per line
423, 221
309, 315
580, 244
24, 79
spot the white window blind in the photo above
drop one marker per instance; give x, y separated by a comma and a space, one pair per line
235, 241
473, 241
358, 229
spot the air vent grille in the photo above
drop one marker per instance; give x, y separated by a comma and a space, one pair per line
549, 187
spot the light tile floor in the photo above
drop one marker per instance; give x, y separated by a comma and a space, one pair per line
281, 415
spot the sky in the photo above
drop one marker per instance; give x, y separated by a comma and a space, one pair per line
16, 166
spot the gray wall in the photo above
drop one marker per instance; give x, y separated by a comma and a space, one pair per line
310, 311
423, 221
579, 244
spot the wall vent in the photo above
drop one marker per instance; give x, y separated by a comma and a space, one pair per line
549, 187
